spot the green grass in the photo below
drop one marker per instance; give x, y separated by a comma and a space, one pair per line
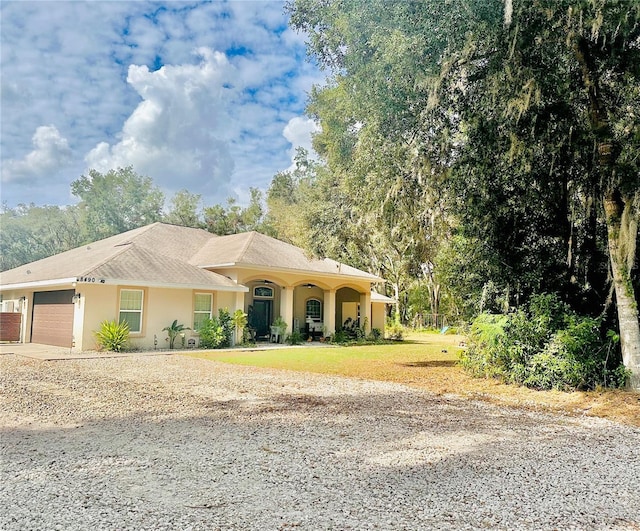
358, 360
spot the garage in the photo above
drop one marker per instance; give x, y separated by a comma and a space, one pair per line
52, 322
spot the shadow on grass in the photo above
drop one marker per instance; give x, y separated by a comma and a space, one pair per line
432, 363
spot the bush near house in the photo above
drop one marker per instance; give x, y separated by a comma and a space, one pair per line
112, 336
217, 331
547, 346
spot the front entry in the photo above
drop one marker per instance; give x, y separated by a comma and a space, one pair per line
261, 318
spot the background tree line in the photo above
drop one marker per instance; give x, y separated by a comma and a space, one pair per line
112, 203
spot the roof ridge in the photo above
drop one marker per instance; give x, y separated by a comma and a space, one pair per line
252, 235
146, 228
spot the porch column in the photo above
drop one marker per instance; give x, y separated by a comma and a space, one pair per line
286, 307
239, 300
329, 318
365, 311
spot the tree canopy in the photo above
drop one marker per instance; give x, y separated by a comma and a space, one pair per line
117, 201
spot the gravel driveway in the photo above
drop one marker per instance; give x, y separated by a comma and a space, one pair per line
170, 442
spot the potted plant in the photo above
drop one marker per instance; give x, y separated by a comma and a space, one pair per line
279, 327
323, 337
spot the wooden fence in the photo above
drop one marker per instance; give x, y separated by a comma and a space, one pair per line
10, 326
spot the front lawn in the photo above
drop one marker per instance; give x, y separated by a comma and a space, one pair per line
428, 361
367, 361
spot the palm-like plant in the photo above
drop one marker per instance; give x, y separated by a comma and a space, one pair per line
173, 331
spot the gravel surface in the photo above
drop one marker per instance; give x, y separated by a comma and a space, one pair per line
170, 442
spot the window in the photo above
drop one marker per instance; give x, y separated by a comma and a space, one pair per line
202, 307
313, 309
263, 291
131, 309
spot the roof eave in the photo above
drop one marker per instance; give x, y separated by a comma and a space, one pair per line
39, 284
241, 265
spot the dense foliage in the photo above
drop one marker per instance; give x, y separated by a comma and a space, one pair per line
217, 332
486, 148
545, 346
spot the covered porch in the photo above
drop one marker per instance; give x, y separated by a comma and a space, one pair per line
313, 308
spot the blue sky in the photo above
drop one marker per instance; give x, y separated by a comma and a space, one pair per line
203, 96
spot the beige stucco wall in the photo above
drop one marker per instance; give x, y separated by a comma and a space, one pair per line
378, 316
160, 307
224, 300
98, 303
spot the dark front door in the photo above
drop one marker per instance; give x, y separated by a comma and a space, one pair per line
262, 311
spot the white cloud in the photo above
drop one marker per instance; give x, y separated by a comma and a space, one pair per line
51, 153
178, 131
299, 132
213, 124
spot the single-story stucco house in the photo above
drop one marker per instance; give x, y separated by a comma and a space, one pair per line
155, 274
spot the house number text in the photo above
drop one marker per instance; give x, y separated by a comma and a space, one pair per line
91, 280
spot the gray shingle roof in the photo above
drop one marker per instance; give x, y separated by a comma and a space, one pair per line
255, 249
151, 255
165, 254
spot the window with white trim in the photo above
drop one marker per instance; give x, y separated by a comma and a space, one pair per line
131, 302
202, 309
313, 310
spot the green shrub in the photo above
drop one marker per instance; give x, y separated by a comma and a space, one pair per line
248, 335
485, 344
239, 319
226, 322
394, 330
546, 347
218, 331
212, 334
353, 330
113, 336
294, 338
340, 337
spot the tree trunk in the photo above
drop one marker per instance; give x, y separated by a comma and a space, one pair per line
626, 304
618, 225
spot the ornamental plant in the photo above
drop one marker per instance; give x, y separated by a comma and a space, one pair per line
173, 331
112, 336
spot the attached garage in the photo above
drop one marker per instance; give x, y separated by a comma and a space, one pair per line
52, 322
